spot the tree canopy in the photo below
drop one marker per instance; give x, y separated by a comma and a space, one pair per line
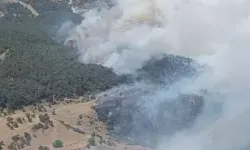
35, 67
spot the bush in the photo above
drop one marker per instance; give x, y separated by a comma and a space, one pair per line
91, 141
19, 120
43, 148
27, 136
57, 144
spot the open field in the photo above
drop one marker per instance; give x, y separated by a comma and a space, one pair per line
74, 123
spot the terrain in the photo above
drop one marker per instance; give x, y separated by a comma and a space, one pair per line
74, 122
50, 99
32, 55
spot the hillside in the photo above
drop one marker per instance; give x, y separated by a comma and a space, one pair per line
33, 66
48, 97
38, 74
74, 122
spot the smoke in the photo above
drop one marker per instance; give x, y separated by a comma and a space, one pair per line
213, 32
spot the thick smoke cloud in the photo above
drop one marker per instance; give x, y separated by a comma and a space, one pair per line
213, 32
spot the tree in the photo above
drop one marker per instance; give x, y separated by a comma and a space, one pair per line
19, 120
27, 115
35, 127
15, 125
44, 118
57, 143
40, 126
33, 115
43, 148
24, 141
29, 119
27, 136
29, 55
12, 146
51, 123
8, 124
16, 138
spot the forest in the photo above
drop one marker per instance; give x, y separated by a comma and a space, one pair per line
33, 67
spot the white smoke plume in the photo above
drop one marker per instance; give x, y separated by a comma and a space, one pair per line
214, 32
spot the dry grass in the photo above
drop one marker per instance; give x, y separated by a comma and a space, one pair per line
75, 114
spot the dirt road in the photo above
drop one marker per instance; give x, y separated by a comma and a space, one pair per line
28, 6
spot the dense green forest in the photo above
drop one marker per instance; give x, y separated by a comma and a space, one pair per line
35, 67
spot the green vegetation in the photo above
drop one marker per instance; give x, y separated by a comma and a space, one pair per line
44, 118
91, 141
19, 142
44, 6
36, 67
57, 143
27, 136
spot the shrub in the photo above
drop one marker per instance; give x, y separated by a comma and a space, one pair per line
15, 125
43, 148
57, 143
16, 138
19, 120
91, 141
27, 136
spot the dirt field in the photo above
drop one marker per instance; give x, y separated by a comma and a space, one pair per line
66, 117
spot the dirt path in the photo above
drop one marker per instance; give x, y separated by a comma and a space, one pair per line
2, 56
28, 6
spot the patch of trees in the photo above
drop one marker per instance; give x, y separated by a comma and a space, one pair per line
14, 123
16, 12
68, 126
11, 123
19, 142
44, 123
44, 6
37, 68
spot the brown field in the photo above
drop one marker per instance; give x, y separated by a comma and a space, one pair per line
68, 116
